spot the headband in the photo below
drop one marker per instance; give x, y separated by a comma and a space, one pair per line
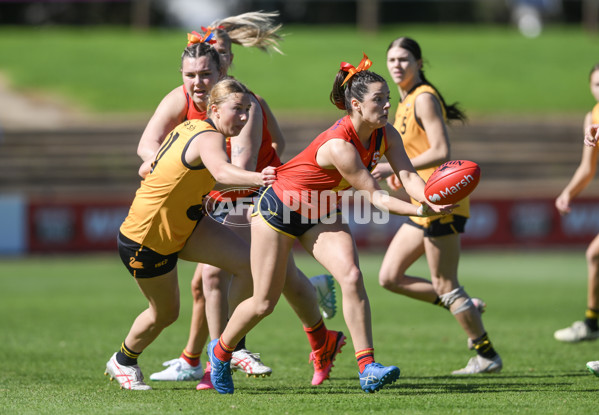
365, 63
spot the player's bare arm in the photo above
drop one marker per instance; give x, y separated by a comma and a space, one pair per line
246, 146
209, 149
276, 135
430, 115
582, 177
591, 131
382, 171
341, 155
403, 168
169, 113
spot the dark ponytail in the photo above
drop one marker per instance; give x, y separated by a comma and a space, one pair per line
356, 87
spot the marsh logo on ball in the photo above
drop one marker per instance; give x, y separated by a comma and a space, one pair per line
452, 182
434, 198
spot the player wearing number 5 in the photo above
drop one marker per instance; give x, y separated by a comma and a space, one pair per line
165, 220
421, 119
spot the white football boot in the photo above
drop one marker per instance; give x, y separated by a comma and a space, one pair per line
479, 364
129, 377
178, 370
325, 292
593, 367
245, 361
577, 332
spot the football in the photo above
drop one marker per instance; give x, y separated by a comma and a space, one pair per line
452, 181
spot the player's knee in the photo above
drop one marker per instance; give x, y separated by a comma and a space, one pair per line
392, 281
197, 290
167, 316
199, 299
443, 284
264, 307
385, 279
592, 255
389, 283
456, 300
352, 278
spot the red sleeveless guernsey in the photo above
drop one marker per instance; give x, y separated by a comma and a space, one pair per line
304, 186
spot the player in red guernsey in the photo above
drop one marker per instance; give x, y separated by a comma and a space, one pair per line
302, 179
255, 146
302, 205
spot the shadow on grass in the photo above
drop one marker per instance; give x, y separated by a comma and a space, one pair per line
492, 377
415, 385
434, 385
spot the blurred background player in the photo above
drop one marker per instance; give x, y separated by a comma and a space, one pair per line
421, 120
586, 329
257, 145
295, 208
166, 222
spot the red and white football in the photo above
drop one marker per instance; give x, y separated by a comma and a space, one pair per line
452, 181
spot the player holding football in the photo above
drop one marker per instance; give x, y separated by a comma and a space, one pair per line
256, 146
421, 119
588, 329
295, 208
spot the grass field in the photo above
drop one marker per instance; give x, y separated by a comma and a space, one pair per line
62, 318
490, 70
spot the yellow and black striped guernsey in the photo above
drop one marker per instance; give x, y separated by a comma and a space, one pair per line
168, 204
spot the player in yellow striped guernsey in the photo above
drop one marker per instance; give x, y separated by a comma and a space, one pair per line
588, 328
164, 222
421, 120
256, 146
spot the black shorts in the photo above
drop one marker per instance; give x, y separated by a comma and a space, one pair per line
282, 219
143, 262
223, 209
446, 225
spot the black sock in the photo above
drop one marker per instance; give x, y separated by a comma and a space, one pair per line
241, 344
483, 347
126, 356
591, 319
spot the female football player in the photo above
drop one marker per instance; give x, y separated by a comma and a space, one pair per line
302, 205
421, 120
257, 146
166, 222
588, 328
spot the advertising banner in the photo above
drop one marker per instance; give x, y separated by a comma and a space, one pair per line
79, 226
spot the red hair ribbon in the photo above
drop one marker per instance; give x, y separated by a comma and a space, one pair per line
365, 63
207, 37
